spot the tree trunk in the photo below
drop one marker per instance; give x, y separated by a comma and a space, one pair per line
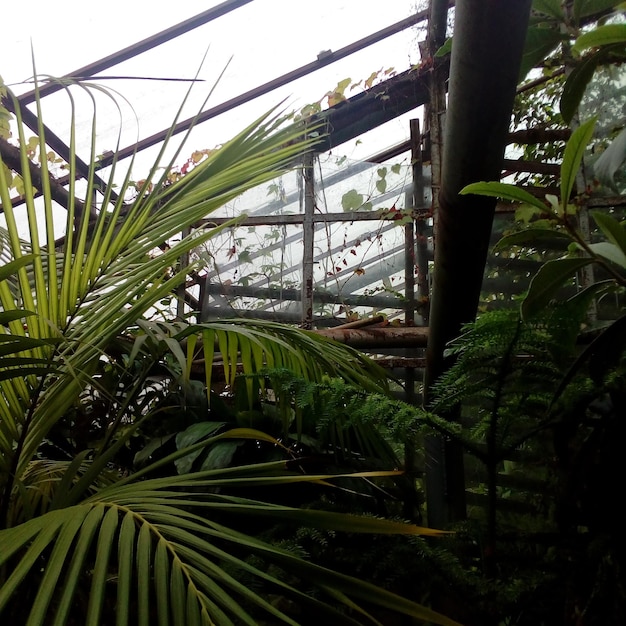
486, 55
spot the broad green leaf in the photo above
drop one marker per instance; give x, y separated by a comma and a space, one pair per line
601, 36
351, 200
573, 156
531, 237
196, 432
551, 276
610, 161
549, 7
611, 228
583, 8
445, 49
593, 291
576, 84
190, 436
540, 42
505, 192
610, 252
234, 433
220, 455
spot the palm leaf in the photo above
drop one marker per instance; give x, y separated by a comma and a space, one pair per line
79, 541
107, 281
166, 523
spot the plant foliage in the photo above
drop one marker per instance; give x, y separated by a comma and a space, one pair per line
83, 537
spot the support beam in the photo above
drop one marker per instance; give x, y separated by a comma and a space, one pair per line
386, 337
287, 78
137, 48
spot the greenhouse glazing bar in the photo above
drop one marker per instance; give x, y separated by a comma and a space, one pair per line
142, 46
273, 84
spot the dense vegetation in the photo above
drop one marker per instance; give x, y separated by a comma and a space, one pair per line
161, 471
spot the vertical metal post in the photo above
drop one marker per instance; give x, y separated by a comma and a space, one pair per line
203, 298
435, 479
409, 273
409, 313
180, 302
308, 240
421, 247
411, 504
435, 110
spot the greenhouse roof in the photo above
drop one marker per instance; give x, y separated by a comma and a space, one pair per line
250, 55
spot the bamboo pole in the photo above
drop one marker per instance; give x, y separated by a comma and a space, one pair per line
486, 55
385, 337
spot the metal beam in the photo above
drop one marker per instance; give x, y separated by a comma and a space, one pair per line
137, 48
265, 88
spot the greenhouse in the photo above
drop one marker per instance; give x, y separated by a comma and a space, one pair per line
313, 312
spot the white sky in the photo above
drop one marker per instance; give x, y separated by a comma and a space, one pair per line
265, 39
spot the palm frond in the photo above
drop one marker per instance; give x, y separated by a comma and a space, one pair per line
106, 274
79, 540
169, 523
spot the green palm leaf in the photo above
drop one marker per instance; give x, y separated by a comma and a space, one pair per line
78, 538
165, 541
108, 277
